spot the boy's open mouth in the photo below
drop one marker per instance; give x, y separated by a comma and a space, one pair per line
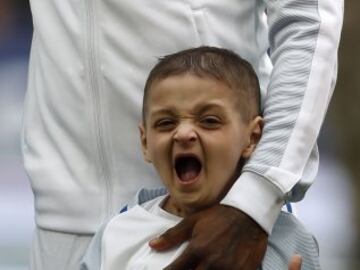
187, 167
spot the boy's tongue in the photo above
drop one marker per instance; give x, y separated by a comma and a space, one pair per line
188, 169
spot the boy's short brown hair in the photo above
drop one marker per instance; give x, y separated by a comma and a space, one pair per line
216, 63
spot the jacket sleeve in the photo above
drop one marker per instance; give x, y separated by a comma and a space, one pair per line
304, 38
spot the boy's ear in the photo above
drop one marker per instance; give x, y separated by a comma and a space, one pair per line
255, 130
144, 142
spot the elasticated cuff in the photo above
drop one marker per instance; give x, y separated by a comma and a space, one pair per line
257, 197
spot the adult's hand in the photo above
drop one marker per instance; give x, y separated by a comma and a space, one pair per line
220, 237
295, 263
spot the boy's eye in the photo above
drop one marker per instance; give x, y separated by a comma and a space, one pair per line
210, 121
165, 124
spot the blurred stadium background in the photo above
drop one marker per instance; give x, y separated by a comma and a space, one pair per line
330, 209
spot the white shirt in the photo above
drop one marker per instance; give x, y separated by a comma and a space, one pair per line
122, 242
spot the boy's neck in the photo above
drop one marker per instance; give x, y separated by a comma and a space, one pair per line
171, 207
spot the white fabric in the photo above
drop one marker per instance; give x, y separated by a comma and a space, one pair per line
303, 50
57, 251
122, 243
133, 251
88, 64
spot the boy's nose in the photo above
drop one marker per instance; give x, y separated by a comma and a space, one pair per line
185, 133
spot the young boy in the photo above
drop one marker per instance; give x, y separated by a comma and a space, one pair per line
201, 121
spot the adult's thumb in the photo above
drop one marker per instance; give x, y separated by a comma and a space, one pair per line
174, 236
295, 262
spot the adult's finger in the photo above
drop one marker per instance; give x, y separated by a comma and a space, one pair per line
295, 262
174, 236
187, 260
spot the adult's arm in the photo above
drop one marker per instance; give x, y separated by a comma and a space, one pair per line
304, 38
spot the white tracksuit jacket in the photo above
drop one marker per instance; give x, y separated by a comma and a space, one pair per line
88, 64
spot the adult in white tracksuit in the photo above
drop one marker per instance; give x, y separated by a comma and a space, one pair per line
88, 64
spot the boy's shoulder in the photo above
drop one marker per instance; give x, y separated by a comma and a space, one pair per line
144, 195
135, 225
287, 226
288, 237
141, 210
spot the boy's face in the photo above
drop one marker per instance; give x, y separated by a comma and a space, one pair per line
195, 136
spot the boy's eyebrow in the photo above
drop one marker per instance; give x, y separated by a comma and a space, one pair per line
201, 108
162, 111
210, 106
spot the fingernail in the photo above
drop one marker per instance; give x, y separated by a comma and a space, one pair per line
155, 241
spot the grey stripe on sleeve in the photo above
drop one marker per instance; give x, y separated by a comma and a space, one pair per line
298, 26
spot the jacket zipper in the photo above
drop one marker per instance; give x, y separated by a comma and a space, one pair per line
103, 165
